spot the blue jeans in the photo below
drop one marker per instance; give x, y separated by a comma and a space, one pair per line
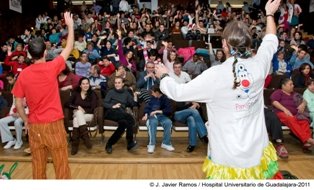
152, 124
195, 124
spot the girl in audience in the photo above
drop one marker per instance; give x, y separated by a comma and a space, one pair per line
216, 58
305, 73
169, 56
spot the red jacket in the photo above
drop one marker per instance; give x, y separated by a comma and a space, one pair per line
16, 67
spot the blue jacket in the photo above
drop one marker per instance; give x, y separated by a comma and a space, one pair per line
163, 103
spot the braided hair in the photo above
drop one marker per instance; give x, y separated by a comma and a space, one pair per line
239, 41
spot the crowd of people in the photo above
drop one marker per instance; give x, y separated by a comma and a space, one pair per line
117, 50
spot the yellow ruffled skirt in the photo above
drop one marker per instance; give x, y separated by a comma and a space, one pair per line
266, 170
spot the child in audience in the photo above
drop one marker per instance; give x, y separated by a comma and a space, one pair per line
6, 134
158, 110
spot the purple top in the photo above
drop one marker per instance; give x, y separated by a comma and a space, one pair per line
122, 58
284, 99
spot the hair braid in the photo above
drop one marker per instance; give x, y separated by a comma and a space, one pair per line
236, 83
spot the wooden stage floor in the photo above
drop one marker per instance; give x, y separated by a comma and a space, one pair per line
138, 164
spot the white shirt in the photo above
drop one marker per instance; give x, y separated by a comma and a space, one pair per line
124, 6
237, 132
184, 77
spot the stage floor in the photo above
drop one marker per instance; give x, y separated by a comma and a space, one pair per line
138, 164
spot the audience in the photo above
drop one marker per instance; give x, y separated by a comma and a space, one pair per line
127, 43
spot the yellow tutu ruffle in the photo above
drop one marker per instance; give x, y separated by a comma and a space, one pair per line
266, 170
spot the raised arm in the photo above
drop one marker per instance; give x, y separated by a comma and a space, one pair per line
271, 8
70, 39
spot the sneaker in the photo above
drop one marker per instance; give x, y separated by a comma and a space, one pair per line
27, 150
132, 146
167, 147
18, 145
9, 144
282, 151
150, 149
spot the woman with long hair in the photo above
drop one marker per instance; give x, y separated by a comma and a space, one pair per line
303, 76
83, 102
239, 147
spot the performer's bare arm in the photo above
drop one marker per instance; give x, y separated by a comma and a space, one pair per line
70, 39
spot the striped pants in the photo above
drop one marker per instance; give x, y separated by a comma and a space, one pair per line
45, 138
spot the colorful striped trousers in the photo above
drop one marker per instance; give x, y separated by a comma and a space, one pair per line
49, 139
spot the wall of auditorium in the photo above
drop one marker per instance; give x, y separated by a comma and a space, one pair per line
14, 23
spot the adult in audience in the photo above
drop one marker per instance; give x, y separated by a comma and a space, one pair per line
116, 102
83, 101
290, 109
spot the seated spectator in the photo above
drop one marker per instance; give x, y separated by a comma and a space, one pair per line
82, 67
176, 29
194, 66
10, 82
17, 51
179, 75
17, 63
107, 50
126, 59
55, 37
308, 96
124, 6
52, 51
168, 57
106, 67
193, 33
297, 39
5, 132
68, 80
300, 57
146, 80
158, 110
3, 52
290, 109
97, 81
274, 130
280, 66
83, 102
305, 73
80, 44
129, 80
188, 113
115, 103
161, 33
91, 52
3, 101
216, 58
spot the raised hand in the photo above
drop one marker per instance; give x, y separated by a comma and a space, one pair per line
271, 6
